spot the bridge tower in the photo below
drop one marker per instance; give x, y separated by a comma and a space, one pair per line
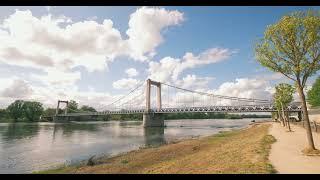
56, 117
151, 119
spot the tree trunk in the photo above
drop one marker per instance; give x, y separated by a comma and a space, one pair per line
287, 116
281, 119
284, 114
306, 116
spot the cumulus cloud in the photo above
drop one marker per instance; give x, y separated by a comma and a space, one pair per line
168, 68
132, 72
18, 89
128, 83
145, 26
245, 88
56, 45
57, 77
57, 41
194, 82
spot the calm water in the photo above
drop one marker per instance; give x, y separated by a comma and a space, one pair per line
27, 147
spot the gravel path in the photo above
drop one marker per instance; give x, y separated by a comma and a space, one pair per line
286, 155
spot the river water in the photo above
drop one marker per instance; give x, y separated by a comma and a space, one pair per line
28, 147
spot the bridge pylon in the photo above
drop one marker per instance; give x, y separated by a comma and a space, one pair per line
151, 119
56, 117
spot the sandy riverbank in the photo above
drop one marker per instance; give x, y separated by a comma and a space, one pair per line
286, 155
239, 151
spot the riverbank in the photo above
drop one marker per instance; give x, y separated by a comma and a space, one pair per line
286, 153
238, 151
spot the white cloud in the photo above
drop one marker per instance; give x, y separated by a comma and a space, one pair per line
132, 72
145, 26
125, 83
55, 42
17, 89
169, 69
245, 88
57, 77
194, 82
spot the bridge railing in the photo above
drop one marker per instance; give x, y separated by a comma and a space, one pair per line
242, 108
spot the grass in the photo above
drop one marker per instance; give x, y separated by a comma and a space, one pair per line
239, 151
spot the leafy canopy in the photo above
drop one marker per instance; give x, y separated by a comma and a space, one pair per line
72, 106
15, 109
313, 96
292, 46
86, 108
25, 110
283, 95
32, 110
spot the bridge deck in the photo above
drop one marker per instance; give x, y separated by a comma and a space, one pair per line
227, 109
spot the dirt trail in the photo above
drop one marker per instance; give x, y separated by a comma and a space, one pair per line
286, 155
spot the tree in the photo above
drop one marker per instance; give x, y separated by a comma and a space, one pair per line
4, 117
283, 97
50, 112
32, 110
313, 96
277, 104
15, 110
72, 106
86, 108
292, 47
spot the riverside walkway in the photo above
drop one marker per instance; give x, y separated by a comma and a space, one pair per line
286, 155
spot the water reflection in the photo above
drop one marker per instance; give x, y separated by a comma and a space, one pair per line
154, 136
68, 129
15, 131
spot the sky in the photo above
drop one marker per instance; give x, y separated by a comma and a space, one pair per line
95, 55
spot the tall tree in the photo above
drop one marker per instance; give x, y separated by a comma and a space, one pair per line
72, 106
86, 108
313, 96
283, 97
15, 110
277, 104
51, 112
292, 47
32, 110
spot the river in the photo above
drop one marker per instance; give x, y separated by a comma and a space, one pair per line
28, 147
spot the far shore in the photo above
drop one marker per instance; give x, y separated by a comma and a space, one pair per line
244, 150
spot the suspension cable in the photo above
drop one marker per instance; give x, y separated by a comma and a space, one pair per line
219, 96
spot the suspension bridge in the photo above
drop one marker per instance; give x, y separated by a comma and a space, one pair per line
174, 99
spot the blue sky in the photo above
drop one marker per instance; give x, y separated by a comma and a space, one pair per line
202, 28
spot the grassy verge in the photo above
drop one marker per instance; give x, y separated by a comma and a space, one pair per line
240, 151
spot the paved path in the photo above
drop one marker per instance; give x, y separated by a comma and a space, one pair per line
286, 155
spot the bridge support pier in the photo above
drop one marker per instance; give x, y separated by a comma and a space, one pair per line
153, 120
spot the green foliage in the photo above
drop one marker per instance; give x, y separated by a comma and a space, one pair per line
313, 96
21, 110
72, 106
292, 46
15, 110
32, 110
4, 116
50, 112
86, 108
283, 95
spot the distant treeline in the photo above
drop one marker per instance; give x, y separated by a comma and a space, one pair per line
32, 111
